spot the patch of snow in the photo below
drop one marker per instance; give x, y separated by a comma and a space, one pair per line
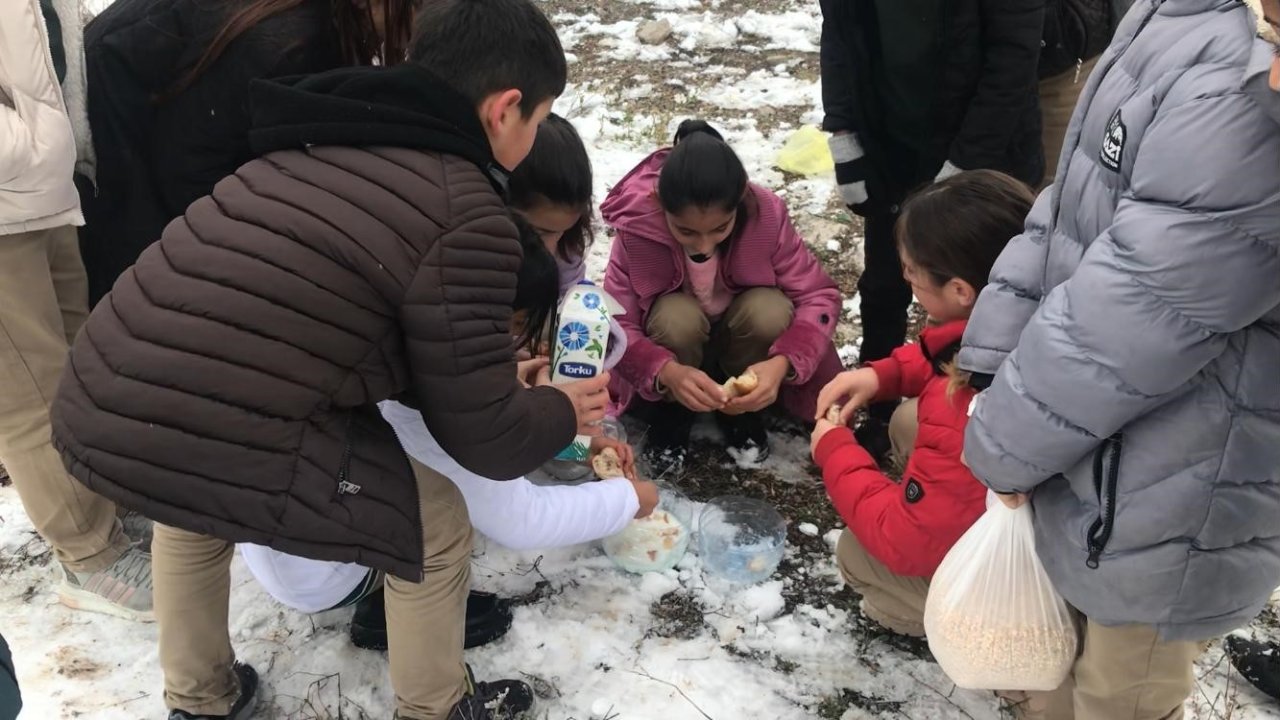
747, 459
808, 529
763, 88
762, 603
794, 30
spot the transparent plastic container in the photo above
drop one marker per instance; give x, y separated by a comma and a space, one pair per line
741, 540
657, 542
572, 470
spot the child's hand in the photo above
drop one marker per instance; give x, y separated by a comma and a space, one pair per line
858, 386
590, 398
647, 493
770, 374
691, 387
527, 370
626, 455
823, 427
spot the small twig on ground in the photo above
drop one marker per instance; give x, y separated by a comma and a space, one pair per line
939, 693
536, 566
126, 701
645, 674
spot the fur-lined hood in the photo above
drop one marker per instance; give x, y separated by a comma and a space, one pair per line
1265, 30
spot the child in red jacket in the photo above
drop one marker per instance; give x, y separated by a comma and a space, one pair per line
948, 236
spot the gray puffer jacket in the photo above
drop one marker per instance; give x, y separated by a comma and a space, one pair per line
1142, 401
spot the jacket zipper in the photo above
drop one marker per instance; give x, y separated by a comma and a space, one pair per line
345, 486
1105, 484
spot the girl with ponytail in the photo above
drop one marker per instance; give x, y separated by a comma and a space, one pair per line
715, 283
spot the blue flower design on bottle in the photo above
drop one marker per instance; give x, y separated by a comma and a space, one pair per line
574, 335
591, 301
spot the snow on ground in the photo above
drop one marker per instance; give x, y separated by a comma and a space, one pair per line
595, 642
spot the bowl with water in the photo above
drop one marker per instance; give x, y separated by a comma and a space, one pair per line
658, 541
741, 540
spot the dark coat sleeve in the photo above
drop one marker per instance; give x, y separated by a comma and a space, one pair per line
10, 697
839, 99
456, 318
1011, 32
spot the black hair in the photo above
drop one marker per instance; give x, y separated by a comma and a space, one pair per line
537, 286
557, 170
702, 171
481, 47
956, 228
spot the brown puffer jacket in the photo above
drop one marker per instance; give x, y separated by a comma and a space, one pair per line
227, 384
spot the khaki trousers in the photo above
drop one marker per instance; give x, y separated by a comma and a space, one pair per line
43, 303
1123, 673
1058, 96
425, 621
893, 601
739, 339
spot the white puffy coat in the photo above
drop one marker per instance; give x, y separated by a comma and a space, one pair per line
37, 144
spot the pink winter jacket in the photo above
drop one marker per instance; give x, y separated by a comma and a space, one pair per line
646, 263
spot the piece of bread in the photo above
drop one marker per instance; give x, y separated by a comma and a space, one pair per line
607, 464
741, 385
833, 414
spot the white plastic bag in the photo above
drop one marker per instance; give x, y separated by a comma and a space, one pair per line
993, 618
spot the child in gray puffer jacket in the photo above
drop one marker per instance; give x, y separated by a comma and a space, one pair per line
1133, 332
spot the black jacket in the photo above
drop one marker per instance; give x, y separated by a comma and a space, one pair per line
159, 151
1074, 31
926, 81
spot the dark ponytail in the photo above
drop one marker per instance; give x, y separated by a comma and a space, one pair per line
701, 171
537, 285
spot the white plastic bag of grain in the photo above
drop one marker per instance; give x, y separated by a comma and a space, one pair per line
993, 618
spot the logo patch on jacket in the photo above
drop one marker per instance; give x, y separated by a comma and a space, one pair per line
1112, 152
914, 492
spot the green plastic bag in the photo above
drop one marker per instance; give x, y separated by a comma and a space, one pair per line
806, 153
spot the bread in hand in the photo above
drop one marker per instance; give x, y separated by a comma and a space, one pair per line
833, 414
741, 385
607, 464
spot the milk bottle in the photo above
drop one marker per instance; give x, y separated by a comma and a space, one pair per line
581, 344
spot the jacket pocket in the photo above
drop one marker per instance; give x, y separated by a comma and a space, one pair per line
1106, 474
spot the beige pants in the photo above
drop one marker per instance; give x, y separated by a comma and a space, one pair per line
894, 601
43, 302
1123, 673
1058, 97
425, 621
739, 339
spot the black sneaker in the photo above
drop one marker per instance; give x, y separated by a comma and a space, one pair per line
497, 700
243, 707
873, 436
488, 618
667, 440
1258, 662
139, 528
745, 438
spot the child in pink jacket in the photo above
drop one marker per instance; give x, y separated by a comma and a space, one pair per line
715, 282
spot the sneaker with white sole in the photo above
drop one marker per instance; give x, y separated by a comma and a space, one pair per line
122, 589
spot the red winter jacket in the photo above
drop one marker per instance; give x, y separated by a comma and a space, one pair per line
910, 526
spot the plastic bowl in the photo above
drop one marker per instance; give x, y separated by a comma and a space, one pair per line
657, 542
741, 540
